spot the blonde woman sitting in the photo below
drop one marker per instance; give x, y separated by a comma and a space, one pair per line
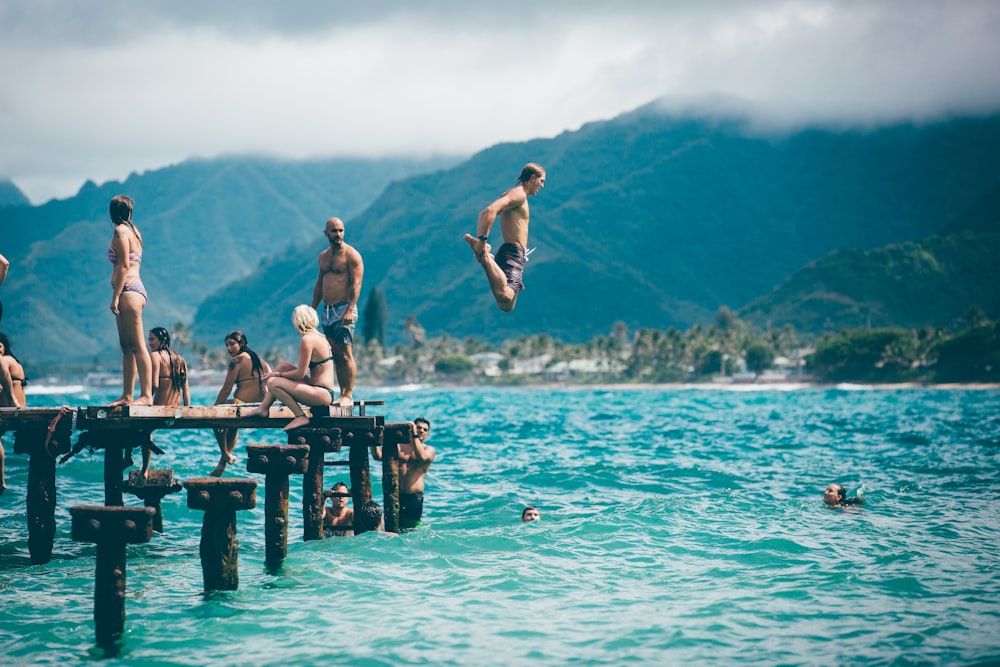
310, 382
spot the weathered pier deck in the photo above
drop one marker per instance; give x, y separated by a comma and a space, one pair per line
46, 435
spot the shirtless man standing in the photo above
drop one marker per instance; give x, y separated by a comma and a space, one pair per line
338, 286
415, 459
505, 271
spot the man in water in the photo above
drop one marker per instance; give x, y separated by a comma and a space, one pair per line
368, 518
338, 286
504, 272
530, 514
834, 496
336, 514
415, 459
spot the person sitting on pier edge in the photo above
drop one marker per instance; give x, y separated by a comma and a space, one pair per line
834, 496
368, 518
246, 373
310, 382
337, 513
12, 380
415, 459
170, 373
18, 380
530, 513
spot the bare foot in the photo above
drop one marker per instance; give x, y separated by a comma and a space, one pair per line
232, 459
346, 401
255, 412
298, 422
121, 400
141, 480
3, 487
142, 400
473, 242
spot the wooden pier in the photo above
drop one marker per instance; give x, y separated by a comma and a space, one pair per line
46, 435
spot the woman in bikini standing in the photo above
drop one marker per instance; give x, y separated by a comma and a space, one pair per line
170, 373
128, 298
310, 382
246, 373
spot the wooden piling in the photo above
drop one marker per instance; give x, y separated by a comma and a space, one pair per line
359, 440
220, 499
320, 441
42, 448
111, 528
159, 483
277, 463
392, 436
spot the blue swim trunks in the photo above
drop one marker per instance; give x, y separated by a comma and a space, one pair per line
332, 320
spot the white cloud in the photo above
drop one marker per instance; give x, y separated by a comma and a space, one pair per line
99, 89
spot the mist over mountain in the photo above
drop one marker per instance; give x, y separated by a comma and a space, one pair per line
653, 220
11, 195
650, 219
205, 224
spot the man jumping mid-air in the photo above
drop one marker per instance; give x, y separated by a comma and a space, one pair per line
505, 270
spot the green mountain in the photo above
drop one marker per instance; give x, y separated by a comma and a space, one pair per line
648, 219
205, 223
932, 281
11, 195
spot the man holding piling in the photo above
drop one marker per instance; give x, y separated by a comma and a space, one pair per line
415, 459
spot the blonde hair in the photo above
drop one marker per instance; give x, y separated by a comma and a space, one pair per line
304, 318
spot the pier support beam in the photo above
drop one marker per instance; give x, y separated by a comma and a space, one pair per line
160, 483
392, 437
276, 463
40, 502
220, 499
111, 528
319, 441
361, 484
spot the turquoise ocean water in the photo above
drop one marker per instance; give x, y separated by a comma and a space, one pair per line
679, 526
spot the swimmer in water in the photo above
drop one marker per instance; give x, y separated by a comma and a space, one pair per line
835, 496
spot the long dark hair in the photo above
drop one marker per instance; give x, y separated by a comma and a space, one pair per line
6, 347
121, 214
178, 369
256, 368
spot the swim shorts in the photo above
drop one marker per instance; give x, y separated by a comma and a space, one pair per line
332, 321
411, 508
510, 258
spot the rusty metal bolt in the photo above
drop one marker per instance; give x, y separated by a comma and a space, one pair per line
291, 461
129, 525
237, 497
204, 496
262, 459
95, 524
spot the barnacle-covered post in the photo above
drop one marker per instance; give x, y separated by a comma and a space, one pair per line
151, 491
220, 499
111, 528
320, 441
42, 445
276, 463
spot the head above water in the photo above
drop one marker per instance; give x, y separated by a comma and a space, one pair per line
369, 517
421, 427
530, 513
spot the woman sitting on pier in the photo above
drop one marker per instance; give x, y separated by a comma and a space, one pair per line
128, 298
310, 382
246, 373
170, 374
15, 397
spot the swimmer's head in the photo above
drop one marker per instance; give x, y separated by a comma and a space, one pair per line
834, 494
369, 517
530, 514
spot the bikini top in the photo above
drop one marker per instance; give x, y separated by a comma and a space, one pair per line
132, 256
314, 364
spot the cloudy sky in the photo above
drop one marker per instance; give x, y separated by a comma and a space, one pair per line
96, 89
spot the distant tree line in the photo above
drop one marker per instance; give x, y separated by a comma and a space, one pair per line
727, 347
